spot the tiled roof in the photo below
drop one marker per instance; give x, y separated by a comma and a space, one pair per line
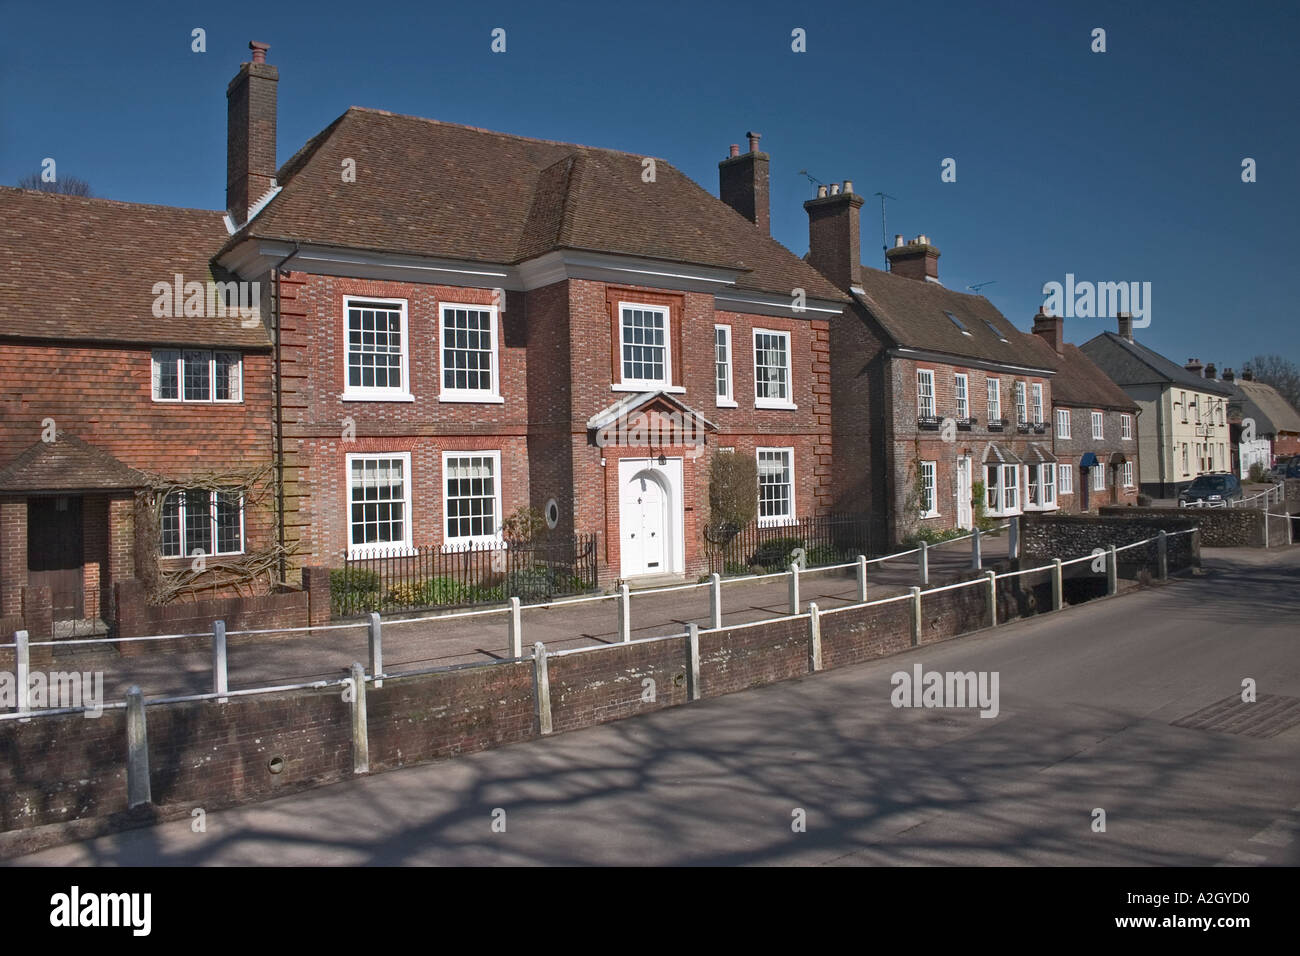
77, 268
1078, 380
1128, 363
914, 314
67, 464
1276, 412
428, 188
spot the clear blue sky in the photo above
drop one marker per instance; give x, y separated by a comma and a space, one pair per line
1115, 166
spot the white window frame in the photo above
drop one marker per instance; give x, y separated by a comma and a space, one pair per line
1185, 462
450, 543
1128, 474
176, 359
1036, 395
776, 520
390, 547
1046, 474
1183, 402
932, 486
728, 400
993, 387
961, 392
924, 390
1062, 423
1022, 406
786, 402
186, 552
646, 384
1064, 478
1099, 476
1007, 486
1126, 427
371, 393
487, 396
1099, 425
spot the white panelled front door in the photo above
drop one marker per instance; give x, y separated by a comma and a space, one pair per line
965, 519
649, 516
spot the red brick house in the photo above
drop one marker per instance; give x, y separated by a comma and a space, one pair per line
121, 369
1094, 426
933, 391
467, 322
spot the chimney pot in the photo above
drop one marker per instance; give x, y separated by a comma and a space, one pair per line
821, 192
1125, 325
735, 149
835, 189
250, 133
1228, 375
1050, 328
1211, 372
914, 260
898, 240
743, 183
259, 50
848, 185
1247, 375
753, 141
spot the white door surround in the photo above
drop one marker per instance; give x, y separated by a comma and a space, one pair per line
965, 520
650, 517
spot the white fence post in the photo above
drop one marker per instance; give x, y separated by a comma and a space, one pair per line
715, 601
1058, 585
1162, 556
1013, 537
360, 729
219, 674
138, 791
976, 559
916, 616
1112, 571
794, 588
1265, 527
993, 597
923, 563
376, 648
542, 686
862, 579
814, 636
624, 603
515, 628
693, 641
23, 667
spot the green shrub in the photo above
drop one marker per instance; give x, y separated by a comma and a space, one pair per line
733, 569
776, 551
825, 554
354, 589
1256, 472
485, 594
733, 492
435, 592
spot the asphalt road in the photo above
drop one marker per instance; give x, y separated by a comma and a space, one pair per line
1088, 698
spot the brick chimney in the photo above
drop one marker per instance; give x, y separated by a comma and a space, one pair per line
1247, 375
250, 133
1211, 372
1125, 325
914, 260
1227, 375
834, 235
1194, 366
743, 183
1051, 328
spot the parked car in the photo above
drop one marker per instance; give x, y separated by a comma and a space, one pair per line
1288, 469
1215, 490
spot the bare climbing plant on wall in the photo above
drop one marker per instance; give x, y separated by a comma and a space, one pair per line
255, 571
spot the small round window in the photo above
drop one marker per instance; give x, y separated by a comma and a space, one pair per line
552, 513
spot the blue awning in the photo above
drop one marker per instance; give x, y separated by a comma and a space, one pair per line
1088, 460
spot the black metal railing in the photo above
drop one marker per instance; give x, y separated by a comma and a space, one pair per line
464, 575
760, 548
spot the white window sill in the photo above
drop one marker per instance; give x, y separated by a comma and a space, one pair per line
648, 387
479, 399
768, 403
388, 397
931, 514
726, 403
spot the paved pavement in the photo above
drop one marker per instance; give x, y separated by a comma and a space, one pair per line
1088, 701
186, 667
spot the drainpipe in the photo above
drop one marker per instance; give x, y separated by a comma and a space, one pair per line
279, 416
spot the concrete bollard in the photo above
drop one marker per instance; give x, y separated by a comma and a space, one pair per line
715, 601
1112, 571
814, 637
923, 564
993, 597
542, 687
138, 791
1162, 556
1058, 585
862, 579
794, 589
376, 648
22, 671
624, 603
219, 672
515, 628
976, 559
916, 616
1265, 527
693, 640
360, 731
1013, 537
